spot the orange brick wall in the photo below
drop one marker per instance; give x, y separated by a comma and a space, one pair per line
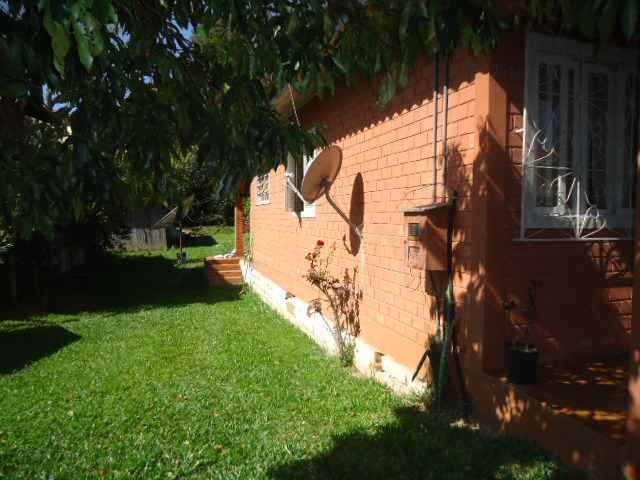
585, 293
390, 154
585, 298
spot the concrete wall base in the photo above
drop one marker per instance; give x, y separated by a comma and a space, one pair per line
385, 369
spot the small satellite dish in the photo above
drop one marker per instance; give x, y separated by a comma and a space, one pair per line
321, 173
166, 221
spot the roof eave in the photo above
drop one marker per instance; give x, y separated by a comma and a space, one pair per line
284, 104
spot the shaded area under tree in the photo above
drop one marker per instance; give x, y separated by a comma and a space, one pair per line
415, 442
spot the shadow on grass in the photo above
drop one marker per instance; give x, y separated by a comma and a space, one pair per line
24, 346
122, 283
425, 446
196, 240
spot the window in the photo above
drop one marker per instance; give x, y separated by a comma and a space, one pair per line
309, 209
293, 203
296, 171
263, 194
580, 136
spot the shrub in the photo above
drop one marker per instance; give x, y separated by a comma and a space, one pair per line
342, 295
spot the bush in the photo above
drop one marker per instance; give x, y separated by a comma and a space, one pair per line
342, 295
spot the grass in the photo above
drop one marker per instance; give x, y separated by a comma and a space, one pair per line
147, 373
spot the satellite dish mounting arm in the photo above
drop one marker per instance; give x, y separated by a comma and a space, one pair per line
292, 186
356, 228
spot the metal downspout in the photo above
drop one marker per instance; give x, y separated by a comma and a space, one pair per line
435, 128
445, 146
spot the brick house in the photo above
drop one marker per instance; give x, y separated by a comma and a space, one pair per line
537, 143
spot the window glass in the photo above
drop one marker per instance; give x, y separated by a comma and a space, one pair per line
263, 194
580, 136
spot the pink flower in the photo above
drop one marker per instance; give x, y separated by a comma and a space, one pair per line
320, 243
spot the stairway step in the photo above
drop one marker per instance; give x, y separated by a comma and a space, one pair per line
225, 275
225, 267
217, 282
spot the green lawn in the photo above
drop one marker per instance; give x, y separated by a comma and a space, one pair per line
146, 373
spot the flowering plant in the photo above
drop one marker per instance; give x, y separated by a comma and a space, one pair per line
342, 295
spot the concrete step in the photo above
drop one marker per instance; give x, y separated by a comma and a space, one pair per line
223, 267
224, 276
217, 280
223, 271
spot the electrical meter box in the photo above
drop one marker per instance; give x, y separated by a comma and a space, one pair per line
426, 236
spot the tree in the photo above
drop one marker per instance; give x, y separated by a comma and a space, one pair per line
139, 82
100, 95
195, 179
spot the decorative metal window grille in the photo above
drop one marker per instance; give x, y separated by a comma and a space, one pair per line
263, 193
580, 137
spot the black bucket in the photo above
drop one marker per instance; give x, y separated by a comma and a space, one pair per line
508, 345
521, 362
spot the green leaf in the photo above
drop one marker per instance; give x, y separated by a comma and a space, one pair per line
387, 90
76, 206
97, 43
378, 64
327, 24
77, 10
339, 64
629, 18
328, 79
164, 68
104, 11
404, 20
422, 8
91, 28
60, 41
84, 47
403, 76
293, 24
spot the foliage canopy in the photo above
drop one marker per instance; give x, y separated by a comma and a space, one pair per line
98, 97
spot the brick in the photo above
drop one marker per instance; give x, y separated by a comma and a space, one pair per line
393, 151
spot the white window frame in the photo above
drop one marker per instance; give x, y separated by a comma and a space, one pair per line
263, 178
308, 209
618, 64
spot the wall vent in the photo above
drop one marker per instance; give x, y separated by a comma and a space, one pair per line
413, 230
377, 362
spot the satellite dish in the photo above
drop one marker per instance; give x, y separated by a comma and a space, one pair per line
321, 174
166, 221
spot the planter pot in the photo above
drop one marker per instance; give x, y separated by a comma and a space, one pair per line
507, 354
521, 362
